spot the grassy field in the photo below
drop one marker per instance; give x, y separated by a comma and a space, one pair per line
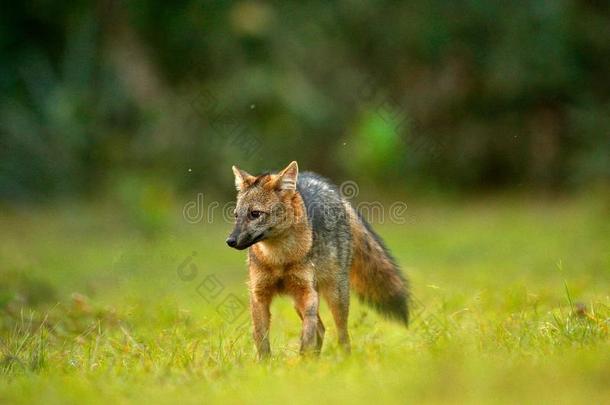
511, 304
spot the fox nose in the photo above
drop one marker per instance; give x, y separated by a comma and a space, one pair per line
232, 241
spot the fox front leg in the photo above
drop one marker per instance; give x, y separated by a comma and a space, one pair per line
320, 331
261, 316
312, 333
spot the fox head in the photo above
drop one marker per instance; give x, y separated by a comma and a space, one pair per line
264, 207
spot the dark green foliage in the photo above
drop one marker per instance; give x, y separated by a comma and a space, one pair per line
469, 94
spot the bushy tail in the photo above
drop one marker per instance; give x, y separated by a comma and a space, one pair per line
375, 276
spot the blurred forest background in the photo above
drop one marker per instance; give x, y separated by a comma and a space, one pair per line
99, 96
119, 123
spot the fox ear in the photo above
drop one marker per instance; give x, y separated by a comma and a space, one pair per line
243, 179
287, 179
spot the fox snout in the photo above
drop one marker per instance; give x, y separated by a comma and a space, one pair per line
242, 240
232, 241
235, 240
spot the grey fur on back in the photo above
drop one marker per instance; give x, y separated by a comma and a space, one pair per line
328, 217
379, 282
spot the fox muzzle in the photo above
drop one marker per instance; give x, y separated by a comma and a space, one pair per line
241, 240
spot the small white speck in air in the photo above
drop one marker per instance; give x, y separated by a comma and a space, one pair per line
344, 143
252, 106
190, 170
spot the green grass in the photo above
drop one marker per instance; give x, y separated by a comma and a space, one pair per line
511, 304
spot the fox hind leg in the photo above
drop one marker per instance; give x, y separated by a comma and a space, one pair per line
338, 302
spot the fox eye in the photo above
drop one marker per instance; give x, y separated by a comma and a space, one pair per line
254, 214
